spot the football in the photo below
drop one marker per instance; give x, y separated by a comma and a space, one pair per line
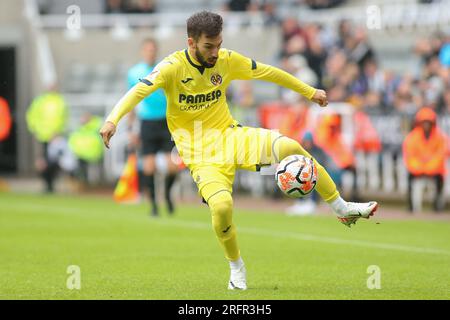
296, 176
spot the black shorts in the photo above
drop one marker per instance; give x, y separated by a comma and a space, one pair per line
155, 137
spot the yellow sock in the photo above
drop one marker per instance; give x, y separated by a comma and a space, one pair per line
221, 205
325, 185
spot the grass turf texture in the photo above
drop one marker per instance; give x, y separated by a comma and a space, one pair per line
124, 254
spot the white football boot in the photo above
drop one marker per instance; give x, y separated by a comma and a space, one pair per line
355, 210
238, 279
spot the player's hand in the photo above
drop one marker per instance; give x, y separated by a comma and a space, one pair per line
107, 131
320, 97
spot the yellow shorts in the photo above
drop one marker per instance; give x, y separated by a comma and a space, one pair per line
247, 148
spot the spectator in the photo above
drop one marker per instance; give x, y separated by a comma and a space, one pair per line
298, 67
46, 119
237, 5
271, 18
308, 205
373, 104
374, 77
114, 6
87, 145
403, 98
142, 6
444, 103
290, 29
315, 52
58, 158
344, 31
328, 136
424, 151
334, 66
323, 4
359, 48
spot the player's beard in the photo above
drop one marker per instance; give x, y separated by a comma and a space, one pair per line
202, 60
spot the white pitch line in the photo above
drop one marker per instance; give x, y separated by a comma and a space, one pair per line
251, 230
310, 237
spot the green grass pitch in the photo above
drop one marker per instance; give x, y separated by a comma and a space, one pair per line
124, 254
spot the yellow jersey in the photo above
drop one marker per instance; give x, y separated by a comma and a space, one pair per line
197, 108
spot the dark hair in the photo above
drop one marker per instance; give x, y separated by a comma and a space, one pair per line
204, 22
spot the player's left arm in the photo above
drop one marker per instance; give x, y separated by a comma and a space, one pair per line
273, 74
245, 68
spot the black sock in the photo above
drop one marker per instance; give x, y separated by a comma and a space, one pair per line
49, 175
170, 179
141, 181
150, 179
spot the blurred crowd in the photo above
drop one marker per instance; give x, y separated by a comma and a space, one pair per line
267, 6
385, 106
400, 120
345, 63
130, 6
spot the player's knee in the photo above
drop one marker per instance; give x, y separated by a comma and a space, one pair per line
221, 204
286, 147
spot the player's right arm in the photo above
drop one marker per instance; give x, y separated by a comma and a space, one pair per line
145, 87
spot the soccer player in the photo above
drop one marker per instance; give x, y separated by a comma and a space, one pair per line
154, 134
211, 143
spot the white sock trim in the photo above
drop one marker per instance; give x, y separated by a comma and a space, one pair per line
237, 264
339, 205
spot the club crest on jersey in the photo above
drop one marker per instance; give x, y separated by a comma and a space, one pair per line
216, 79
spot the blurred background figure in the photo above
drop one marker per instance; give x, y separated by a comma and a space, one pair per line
87, 145
328, 136
114, 6
46, 119
143, 6
59, 160
154, 133
237, 5
323, 4
242, 102
424, 151
367, 145
308, 205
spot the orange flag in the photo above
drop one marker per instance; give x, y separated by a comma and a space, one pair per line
127, 189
